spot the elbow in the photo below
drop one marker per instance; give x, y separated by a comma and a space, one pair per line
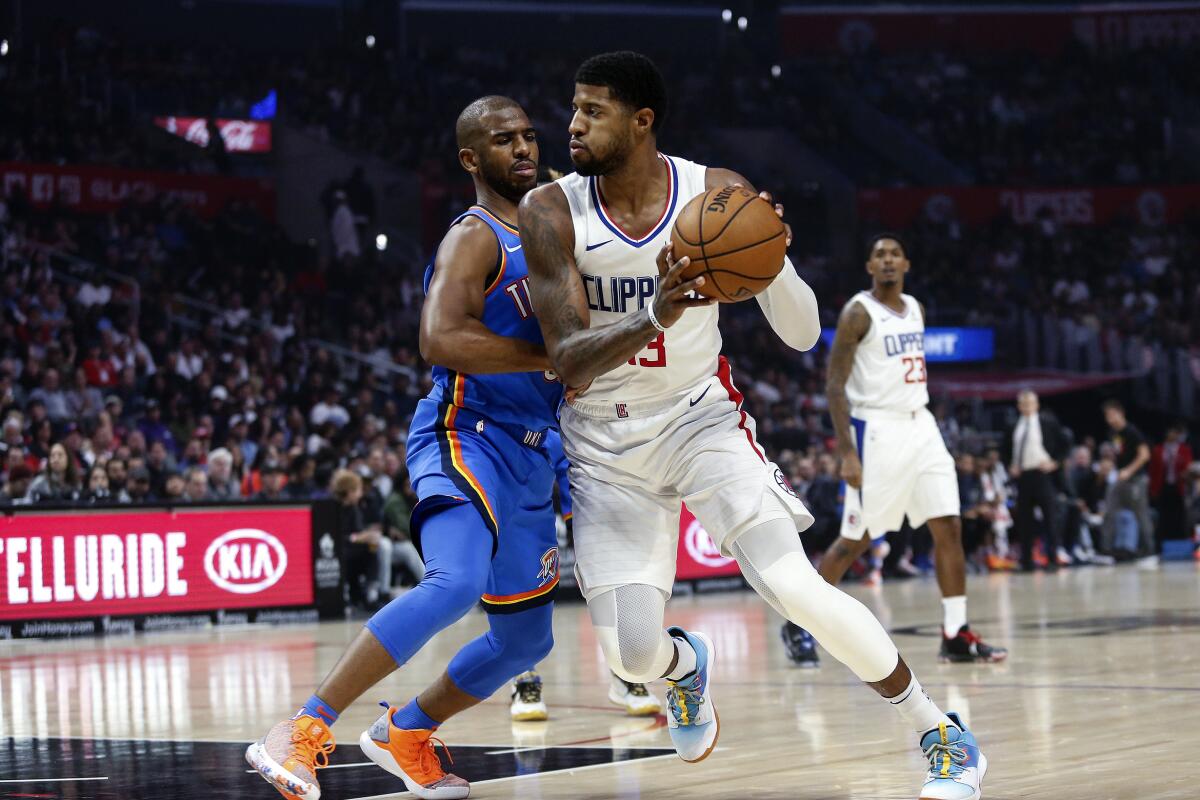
572, 375
809, 336
431, 351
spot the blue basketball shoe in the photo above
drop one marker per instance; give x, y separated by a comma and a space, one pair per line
956, 767
693, 722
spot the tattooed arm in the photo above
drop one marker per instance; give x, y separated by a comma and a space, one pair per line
578, 352
852, 327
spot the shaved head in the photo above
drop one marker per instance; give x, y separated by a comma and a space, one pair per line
469, 128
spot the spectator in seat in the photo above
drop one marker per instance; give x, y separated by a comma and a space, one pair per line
98, 486
117, 471
138, 486
396, 530
195, 488
173, 488
1169, 463
59, 481
301, 484
222, 485
16, 486
52, 396
273, 479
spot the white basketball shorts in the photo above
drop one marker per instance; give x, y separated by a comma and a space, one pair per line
632, 465
906, 470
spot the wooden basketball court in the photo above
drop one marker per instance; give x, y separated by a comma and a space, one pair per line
1100, 700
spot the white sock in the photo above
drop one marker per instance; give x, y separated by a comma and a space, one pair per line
917, 709
954, 614
687, 659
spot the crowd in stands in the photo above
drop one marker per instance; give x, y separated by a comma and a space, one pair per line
291, 374
1131, 277
1087, 116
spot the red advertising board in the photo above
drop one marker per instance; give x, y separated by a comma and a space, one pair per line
1080, 205
240, 135
698, 557
982, 27
99, 190
97, 563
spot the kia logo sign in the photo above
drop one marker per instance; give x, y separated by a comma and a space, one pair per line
245, 561
701, 548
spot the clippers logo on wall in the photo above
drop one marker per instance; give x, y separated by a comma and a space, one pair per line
94, 563
698, 556
240, 135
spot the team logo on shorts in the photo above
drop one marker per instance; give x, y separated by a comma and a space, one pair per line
549, 568
853, 520
622, 411
783, 483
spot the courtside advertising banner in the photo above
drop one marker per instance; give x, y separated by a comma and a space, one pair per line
99, 563
698, 558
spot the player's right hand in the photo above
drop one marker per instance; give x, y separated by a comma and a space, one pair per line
674, 296
852, 470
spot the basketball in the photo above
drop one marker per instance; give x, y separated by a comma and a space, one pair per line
734, 238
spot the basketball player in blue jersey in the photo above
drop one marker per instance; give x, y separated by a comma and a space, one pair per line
484, 522
656, 419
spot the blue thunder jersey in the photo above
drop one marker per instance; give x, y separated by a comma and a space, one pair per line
523, 399
558, 460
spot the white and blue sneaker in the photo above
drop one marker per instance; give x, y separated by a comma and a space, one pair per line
693, 722
956, 767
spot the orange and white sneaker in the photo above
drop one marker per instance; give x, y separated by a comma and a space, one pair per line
409, 755
289, 756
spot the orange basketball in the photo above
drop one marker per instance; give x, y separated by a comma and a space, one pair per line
734, 238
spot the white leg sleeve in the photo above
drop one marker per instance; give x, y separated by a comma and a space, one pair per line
773, 561
629, 626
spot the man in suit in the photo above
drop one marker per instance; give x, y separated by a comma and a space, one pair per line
1038, 446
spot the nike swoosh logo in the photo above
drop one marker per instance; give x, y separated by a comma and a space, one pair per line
701, 397
512, 249
591, 247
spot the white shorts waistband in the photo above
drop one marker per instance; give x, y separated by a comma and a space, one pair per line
617, 410
870, 414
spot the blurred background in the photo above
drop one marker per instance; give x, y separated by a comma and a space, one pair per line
214, 219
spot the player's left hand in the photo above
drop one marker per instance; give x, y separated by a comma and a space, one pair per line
778, 211
574, 391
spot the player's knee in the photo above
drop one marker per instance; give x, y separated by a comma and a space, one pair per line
529, 648
946, 527
635, 657
843, 549
459, 591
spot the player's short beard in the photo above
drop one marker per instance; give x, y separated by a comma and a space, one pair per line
503, 181
614, 159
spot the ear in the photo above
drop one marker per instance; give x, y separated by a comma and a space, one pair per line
643, 120
469, 160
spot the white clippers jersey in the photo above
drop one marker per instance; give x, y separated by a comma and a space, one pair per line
620, 276
889, 365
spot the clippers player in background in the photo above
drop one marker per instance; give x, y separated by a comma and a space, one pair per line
894, 461
484, 521
657, 420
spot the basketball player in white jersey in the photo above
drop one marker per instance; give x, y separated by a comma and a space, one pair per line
655, 419
894, 461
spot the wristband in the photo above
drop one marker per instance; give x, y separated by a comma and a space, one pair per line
653, 319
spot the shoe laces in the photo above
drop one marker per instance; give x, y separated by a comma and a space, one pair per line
946, 759
312, 746
685, 699
529, 691
637, 689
